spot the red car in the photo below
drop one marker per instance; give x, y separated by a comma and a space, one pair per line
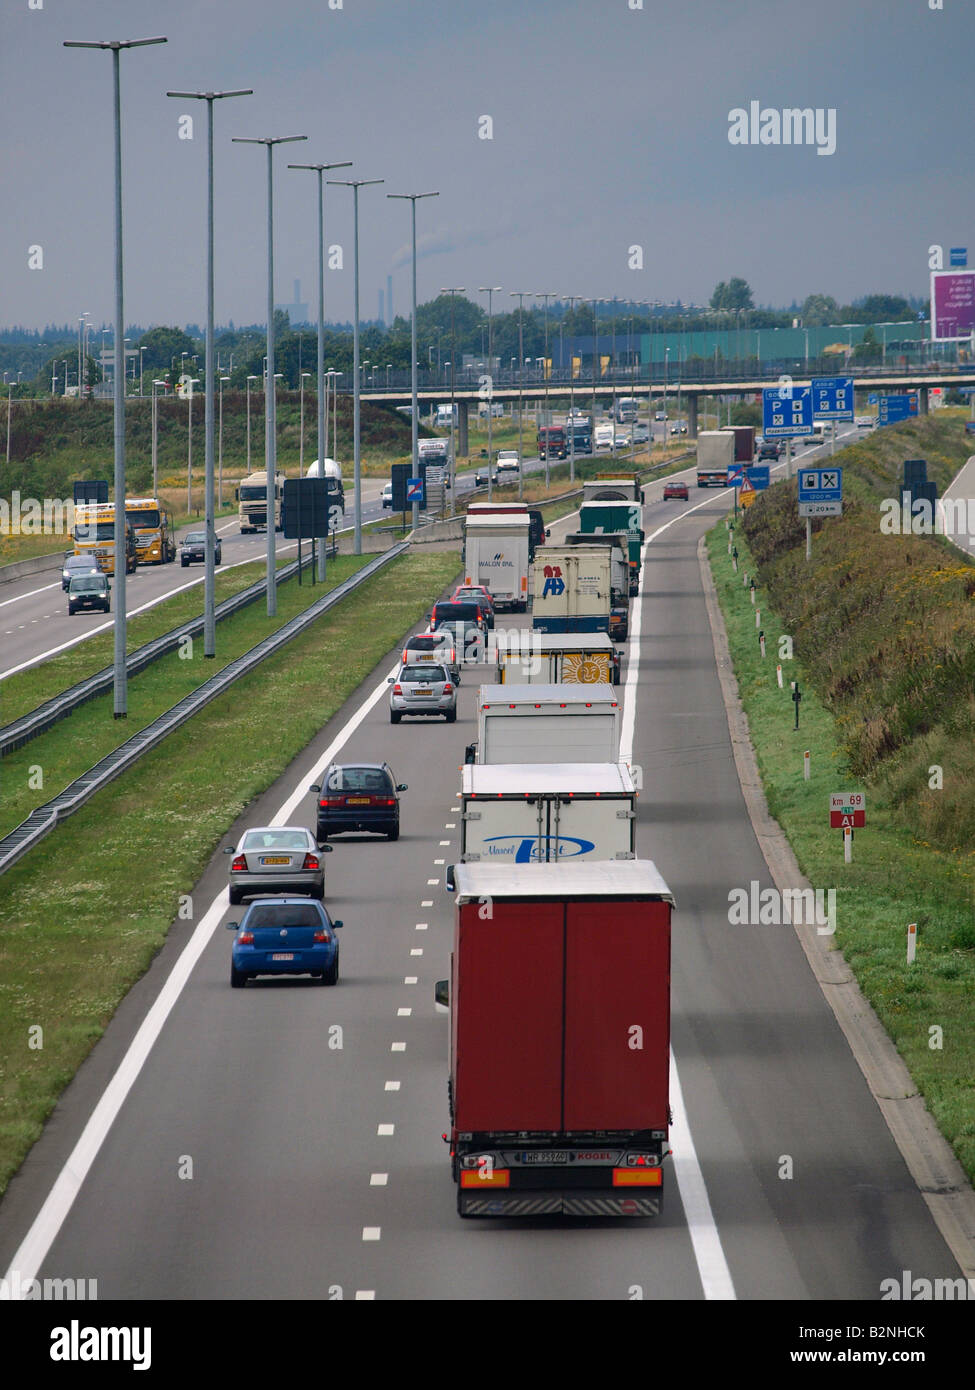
675, 490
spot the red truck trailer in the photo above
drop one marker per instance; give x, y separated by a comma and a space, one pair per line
559, 1001
744, 442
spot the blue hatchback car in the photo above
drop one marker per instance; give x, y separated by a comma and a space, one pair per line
285, 936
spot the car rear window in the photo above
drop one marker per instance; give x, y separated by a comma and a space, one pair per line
429, 642
195, 538
275, 839
456, 612
426, 674
283, 915
87, 584
359, 779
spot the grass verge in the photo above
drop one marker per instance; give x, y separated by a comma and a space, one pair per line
895, 877
76, 932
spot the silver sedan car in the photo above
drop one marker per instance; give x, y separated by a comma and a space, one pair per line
422, 689
277, 859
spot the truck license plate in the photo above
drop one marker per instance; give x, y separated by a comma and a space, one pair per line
560, 1156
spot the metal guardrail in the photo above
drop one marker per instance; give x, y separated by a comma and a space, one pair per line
45, 716
43, 820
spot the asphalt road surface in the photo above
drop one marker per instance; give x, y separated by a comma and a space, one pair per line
318, 1168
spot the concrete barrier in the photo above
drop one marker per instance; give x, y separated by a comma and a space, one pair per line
38, 565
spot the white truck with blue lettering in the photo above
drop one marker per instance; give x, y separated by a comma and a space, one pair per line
537, 813
496, 550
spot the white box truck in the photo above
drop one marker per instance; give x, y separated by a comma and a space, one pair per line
572, 589
539, 813
546, 724
496, 550
526, 657
715, 455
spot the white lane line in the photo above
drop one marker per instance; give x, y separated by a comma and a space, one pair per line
432, 882
712, 1266
422, 926
372, 1232
443, 842
378, 1179
384, 1130
404, 1013
411, 979
428, 902
49, 1220
417, 951
450, 825
30, 594
130, 613
391, 1086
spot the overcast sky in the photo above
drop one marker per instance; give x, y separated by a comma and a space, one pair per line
610, 130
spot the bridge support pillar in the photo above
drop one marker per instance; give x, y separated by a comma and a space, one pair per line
692, 417
463, 448
922, 400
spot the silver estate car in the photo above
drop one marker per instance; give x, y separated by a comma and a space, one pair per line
277, 859
422, 689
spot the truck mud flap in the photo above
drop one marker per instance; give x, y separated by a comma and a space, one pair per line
559, 1204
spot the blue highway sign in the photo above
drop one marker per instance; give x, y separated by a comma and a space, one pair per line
832, 397
758, 476
787, 411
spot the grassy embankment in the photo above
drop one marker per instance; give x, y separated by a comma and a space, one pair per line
81, 918
883, 627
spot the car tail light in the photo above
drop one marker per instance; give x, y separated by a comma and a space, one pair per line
246, 938
389, 800
330, 801
239, 864
397, 689
322, 935
312, 861
448, 689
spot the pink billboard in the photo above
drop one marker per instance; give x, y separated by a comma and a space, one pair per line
952, 304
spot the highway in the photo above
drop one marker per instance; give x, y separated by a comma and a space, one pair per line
34, 620
252, 1156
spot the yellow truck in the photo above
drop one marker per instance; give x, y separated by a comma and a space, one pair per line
94, 531
155, 538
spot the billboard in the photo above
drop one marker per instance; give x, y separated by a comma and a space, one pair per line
952, 305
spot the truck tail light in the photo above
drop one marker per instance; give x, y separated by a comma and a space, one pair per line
312, 861
638, 1177
238, 864
482, 1177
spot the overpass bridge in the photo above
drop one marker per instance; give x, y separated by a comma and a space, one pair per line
558, 385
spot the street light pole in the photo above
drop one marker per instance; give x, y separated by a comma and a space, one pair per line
572, 400
546, 296
252, 377
414, 412
120, 670
453, 367
155, 438
209, 576
355, 185
190, 382
223, 381
270, 411
491, 291
520, 296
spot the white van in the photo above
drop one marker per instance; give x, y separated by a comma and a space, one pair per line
446, 414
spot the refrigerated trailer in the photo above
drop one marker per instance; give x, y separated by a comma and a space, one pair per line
559, 1052
540, 813
496, 554
546, 724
